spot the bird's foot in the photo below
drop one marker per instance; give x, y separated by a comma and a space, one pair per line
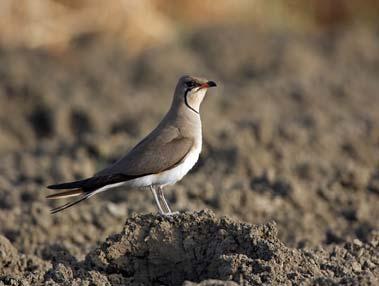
170, 213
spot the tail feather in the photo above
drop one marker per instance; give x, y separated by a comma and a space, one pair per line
69, 204
66, 194
84, 188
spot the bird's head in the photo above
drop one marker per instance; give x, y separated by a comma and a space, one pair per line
191, 90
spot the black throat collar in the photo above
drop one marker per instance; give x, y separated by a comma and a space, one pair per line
186, 101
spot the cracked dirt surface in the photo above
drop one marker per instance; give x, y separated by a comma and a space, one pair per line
291, 135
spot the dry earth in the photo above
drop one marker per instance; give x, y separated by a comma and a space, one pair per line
291, 135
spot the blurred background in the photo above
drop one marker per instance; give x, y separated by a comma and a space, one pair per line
291, 134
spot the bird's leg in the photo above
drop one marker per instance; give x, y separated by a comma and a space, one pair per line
161, 196
157, 200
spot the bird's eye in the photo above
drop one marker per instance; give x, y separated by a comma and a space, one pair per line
190, 84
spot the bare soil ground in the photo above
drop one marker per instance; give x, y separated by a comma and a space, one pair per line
291, 135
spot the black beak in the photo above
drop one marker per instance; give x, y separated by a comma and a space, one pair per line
211, 83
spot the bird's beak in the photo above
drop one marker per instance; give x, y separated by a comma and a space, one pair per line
208, 84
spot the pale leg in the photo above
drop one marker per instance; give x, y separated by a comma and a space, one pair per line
157, 200
161, 196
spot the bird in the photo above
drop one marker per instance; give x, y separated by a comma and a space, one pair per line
162, 158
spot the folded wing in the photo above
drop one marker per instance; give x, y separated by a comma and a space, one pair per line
153, 155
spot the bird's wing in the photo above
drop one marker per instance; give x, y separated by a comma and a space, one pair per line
158, 152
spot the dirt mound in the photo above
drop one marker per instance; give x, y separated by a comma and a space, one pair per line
189, 246
198, 246
156, 250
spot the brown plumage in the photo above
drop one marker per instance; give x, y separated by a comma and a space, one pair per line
161, 150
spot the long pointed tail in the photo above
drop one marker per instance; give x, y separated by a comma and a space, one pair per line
84, 188
70, 204
67, 194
